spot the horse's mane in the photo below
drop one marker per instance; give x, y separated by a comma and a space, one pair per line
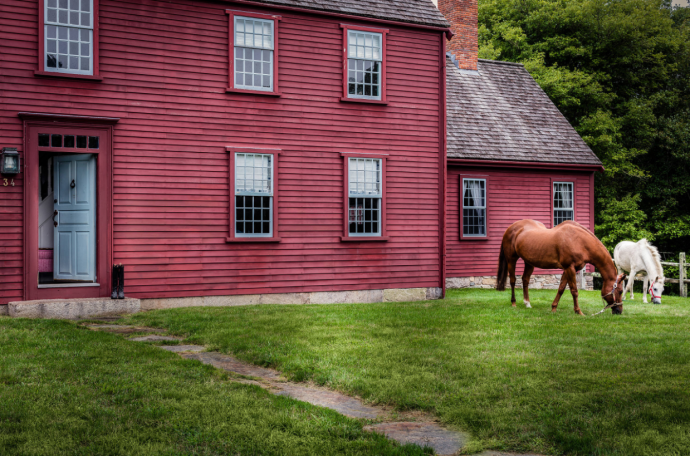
655, 255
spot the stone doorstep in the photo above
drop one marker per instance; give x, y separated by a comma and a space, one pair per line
73, 309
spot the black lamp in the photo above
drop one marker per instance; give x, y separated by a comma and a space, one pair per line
9, 161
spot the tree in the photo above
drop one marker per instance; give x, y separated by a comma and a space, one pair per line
620, 73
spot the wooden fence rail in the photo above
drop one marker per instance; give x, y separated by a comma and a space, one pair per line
682, 279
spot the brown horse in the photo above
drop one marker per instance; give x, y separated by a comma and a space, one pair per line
569, 246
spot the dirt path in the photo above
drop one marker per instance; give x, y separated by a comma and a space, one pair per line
416, 428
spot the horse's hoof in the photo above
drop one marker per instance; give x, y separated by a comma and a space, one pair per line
514, 305
579, 312
527, 304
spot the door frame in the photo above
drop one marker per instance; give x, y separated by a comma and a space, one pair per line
54, 123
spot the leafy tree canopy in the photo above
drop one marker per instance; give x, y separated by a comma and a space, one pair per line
619, 71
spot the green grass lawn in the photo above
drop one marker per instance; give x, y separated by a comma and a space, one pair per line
65, 390
516, 379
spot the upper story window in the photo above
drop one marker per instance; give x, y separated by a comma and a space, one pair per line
474, 208
253, 53
68, 36
365, 194
563, 205
364, 62
364, 65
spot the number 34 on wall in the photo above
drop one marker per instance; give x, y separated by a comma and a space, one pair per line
6, 182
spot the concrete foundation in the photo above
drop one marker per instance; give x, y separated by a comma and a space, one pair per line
536, 282
72, 309
317, 297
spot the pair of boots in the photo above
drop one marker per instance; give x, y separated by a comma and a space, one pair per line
118, 282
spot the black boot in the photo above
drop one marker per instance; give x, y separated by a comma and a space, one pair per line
121, 282
116, 277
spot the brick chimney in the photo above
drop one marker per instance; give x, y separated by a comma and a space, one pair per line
462, 15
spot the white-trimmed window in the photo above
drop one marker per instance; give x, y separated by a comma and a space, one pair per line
364, 195
254, 53
364, 64
563, 207
474, 207
253, 195
68, 32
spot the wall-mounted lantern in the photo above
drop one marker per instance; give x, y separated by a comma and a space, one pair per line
9, 161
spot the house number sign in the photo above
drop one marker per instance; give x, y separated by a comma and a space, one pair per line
6, 182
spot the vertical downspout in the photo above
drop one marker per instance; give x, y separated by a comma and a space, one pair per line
442, 160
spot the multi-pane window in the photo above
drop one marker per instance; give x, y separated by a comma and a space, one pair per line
474, 207
68, 36
364, 64
364, 196
253, 53
253, 195
563, 208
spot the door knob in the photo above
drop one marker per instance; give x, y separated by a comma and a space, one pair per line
72, 185
55, 223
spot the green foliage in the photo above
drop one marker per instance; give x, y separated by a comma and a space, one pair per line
620, 73
621, 220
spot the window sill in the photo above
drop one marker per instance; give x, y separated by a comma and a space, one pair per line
364, 100
253, 92
55, 74
251, 239
474, 238
363, 238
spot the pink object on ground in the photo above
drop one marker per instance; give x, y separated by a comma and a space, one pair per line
45, 261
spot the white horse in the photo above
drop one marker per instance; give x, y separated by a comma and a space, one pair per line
636, 257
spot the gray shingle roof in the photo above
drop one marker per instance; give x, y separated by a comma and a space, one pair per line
413, 11
501, 113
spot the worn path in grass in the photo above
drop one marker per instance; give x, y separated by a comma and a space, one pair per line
65, 390
421, 431
517, 379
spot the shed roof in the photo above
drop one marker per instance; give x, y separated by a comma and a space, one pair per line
500, 113
422, 12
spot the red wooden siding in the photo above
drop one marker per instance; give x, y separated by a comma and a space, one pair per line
513, 194
165, 70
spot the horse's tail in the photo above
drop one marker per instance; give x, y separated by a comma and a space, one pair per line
502, 273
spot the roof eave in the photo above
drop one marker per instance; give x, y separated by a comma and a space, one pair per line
526, 164
441, 27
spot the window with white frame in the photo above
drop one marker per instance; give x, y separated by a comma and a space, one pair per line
563, 208
474, 207
364, 195
253, 195
68, 31
253, 53
364, 64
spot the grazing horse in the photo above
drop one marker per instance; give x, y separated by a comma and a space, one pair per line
635, 257
569, 246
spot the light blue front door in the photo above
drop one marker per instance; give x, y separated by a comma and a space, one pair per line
74, 255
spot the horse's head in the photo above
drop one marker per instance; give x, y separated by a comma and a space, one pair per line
656, 289
615, 294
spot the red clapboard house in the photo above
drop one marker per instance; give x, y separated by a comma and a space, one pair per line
224, 152
511, 156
